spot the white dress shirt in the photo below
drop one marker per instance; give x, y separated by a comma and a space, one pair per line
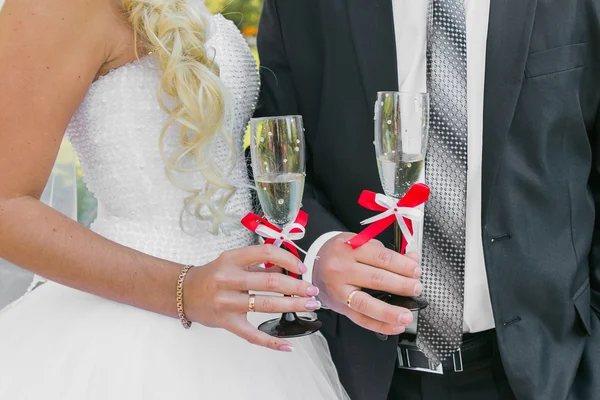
410, 22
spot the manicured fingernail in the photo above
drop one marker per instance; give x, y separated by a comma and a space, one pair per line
312, 291
302, 268
418, 289
287, 349
405, 319
313, 305
418, 272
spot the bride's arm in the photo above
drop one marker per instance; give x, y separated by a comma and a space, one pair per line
50, 53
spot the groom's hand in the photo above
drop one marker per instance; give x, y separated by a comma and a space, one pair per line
339, 270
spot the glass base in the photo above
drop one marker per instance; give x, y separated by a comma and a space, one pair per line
290, 325
410, 303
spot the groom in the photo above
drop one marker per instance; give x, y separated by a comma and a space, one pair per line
515, 120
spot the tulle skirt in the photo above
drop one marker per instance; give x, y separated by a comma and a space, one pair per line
57, 343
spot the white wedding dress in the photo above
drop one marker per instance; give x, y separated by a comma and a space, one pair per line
57, 343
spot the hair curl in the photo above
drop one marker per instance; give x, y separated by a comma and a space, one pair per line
176, 32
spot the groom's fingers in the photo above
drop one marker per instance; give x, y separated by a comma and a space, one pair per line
389, 260
244, 329
373, 324
365, 276
379, 311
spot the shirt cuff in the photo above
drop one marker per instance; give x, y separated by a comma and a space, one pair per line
311, 255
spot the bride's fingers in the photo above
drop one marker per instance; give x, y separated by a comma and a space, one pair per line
245, 330
276, 304
277, 283
267, 253
272, 270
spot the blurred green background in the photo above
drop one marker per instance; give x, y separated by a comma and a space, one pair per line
246, 15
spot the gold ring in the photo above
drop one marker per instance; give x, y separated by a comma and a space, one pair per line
251, 300
349, 299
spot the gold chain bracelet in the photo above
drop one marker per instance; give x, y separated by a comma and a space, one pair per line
184, 321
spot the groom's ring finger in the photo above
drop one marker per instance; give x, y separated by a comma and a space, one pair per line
373, 324
350, 296
277, 304
378, 310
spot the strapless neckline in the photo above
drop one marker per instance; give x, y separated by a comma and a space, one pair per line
116, 133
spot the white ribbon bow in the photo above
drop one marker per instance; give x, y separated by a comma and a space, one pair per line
285, 236
410, 213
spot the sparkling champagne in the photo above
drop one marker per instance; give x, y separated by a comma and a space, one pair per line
397, 176
280, 196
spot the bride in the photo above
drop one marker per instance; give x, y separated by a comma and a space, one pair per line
154, 95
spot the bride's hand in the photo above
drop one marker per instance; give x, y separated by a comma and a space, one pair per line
216, 294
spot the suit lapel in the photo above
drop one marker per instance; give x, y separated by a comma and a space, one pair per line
372, 27
509, 33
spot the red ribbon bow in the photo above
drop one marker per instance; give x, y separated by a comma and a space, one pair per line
267, 230
416, 195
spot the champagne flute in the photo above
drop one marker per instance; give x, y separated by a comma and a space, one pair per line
278, 164
401, 133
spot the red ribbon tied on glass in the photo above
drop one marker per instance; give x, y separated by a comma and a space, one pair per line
404, 211
277, 236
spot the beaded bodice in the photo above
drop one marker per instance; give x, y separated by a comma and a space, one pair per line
116, 133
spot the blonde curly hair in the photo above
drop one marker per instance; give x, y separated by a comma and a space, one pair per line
176, 32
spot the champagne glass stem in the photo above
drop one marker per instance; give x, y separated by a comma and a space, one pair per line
410, 303
288, 317
286, 273
397, 237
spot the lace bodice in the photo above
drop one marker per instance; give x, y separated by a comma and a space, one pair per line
116, 134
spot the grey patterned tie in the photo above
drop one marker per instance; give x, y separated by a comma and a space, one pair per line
439, 332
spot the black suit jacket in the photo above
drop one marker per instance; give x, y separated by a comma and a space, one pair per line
540, 187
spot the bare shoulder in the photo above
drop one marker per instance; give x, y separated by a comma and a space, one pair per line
51, 52
68, 15
94, 25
